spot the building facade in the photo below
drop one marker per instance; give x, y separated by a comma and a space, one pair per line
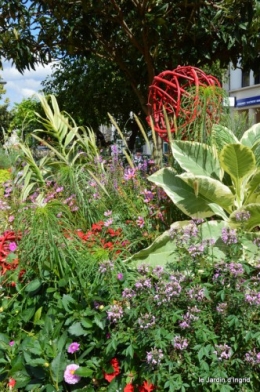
243, 89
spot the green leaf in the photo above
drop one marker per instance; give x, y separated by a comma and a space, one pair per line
57, 367
197, 158
28, 313
221, 136
37, 315
253, 184
67, 301
210, 190
218, 211
4, 338
99, 322
33, 286
86, 323
84, 372
76, 329
238, 161
181, 193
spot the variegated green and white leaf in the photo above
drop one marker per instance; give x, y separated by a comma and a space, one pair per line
251, 136
239, 162
218, 211
181, 193
197, 158
221, 136
211, 190
253, 186
256, 151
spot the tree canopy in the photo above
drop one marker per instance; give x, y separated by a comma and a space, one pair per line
89, 89
140, 37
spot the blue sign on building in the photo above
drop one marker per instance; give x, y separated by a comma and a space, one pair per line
248, 101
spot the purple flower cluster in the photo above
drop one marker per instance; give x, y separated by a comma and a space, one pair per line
114, 150
143, 269
196, 249
71, 203
154, 357
222, 308
242, 216
253, 298
189, 232
115, 313
129, 174
8, 189
106, 266
4, 206
166, 290
180, 343
189, 317
128, 293
196, 293
158, 271
146, 321
223, 351
143, 284
148, 196
252, 357
235, 269
229, 236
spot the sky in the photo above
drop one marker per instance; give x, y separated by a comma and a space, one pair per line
19, 86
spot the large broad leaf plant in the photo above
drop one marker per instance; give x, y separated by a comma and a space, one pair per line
218, 181
221, 179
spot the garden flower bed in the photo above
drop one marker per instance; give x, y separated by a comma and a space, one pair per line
109, 282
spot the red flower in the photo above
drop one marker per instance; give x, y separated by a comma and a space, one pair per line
80, 234
114, 233
146, 387
97, 226
115, 365
5, 239
108, 245
12, 382
129, 388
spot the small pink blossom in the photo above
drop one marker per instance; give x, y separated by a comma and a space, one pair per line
73, 347
69, 374
12, 246
108, 213
108, 222
11, 343
140, 221
11, 218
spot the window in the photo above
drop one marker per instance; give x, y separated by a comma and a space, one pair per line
245, 78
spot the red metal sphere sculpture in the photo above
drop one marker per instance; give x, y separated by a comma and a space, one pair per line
179, 95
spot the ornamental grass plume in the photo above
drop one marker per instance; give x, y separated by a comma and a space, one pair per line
69, 374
